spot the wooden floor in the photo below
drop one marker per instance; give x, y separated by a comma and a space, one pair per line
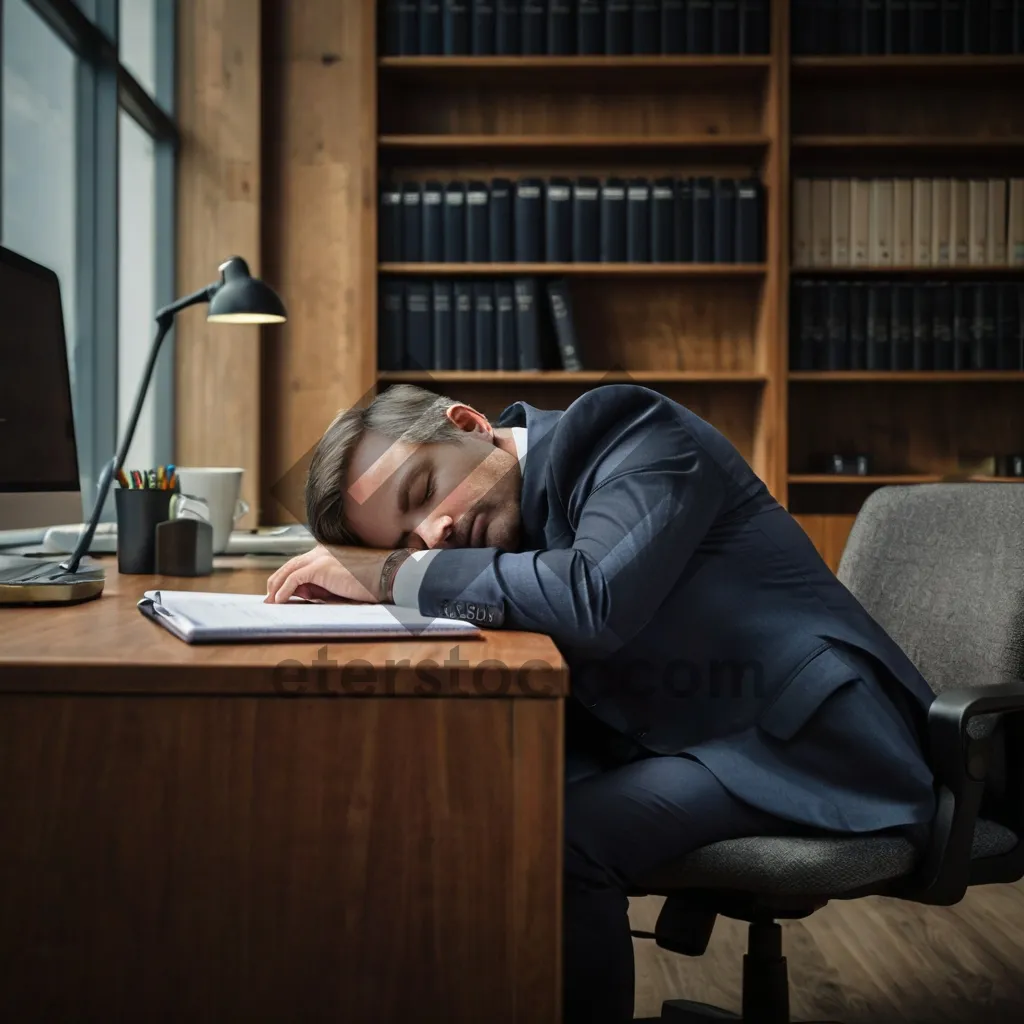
870, 961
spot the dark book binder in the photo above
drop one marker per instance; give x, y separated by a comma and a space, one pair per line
391, 326
699, 26
942, 325
419, 349
925, 26
443, 324
673, 26
897, 26
462, 315
433, 221
389, 241
901, 332
1018, 26
618, 27
483, 326
879, 316
801, 335
586, 220
407, 28
803, 23
819, 324
558, 220
858, 343
952, 29
508, 28
638, 221
977, 26
505, 325
684, 220
663, 216
431, 31
613, 221
848, 27
565, 328
963, 324
825, 29
528, 219
749, 221
392, 17
1000, 26
455, 19
1008, 342
501, 221
921, 329
534, 28
527, 324
412, 223
455, 222
646, 26
561, 27
725, 26
478, 222
837, 355
703, 220
754, 26
983, 328
483, 27
724, 218
872, 28
590, 27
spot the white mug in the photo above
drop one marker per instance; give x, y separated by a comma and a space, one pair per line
219, 487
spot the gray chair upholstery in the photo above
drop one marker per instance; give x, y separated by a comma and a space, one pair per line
941, 568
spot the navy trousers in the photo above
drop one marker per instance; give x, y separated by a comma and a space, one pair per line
625, 814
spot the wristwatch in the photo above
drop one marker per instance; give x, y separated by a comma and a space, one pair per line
388, 571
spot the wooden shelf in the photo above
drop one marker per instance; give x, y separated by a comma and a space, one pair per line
569, 142
908, 65
572, 377
996, 270
580, 269
964, 143
905, 478
915, 376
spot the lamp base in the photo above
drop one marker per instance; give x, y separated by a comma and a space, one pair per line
27, 581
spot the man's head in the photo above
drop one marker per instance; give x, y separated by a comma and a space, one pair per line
414, 469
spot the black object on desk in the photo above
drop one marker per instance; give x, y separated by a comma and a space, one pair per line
139, 510
184, 547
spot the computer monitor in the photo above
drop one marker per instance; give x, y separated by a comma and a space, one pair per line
39, 483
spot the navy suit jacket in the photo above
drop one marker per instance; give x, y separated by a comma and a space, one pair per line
695, 614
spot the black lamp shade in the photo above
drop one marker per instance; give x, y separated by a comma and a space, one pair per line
244, 299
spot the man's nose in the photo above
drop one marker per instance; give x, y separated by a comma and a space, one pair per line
437, 531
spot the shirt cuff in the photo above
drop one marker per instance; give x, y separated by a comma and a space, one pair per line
405, 590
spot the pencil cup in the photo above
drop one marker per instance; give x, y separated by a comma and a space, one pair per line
138, 512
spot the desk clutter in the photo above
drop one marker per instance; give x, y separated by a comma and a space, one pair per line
563, 220
561, 28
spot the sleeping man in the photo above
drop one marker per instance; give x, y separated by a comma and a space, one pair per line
723, 681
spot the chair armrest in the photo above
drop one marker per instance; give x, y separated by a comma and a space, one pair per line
960, 766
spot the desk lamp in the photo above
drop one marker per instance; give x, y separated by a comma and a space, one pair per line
237, 298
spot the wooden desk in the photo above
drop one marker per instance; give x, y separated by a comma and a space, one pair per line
293, 832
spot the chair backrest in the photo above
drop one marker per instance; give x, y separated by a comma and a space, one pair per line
941, 568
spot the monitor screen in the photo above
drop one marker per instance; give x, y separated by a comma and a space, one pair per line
37, 429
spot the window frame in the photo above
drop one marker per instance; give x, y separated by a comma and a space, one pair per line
105, 87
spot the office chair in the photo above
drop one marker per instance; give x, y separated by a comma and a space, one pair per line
941, 568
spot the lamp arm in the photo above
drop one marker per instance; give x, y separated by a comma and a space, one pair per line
164, 320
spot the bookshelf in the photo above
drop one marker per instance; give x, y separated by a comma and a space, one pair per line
711, 335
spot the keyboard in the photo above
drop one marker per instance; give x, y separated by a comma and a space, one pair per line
273, 540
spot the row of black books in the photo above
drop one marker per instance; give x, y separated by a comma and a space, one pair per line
931, 325
567, 27
588, 220
508, 324
907, 26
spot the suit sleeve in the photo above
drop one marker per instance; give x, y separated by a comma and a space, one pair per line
640, 493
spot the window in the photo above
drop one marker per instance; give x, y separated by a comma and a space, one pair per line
86, 187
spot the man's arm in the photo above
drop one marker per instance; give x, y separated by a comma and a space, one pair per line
641, 497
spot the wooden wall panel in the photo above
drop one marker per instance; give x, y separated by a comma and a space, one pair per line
320, 234
218, 210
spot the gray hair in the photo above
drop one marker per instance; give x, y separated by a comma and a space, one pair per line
404, 413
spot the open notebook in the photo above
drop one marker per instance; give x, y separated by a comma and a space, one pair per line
198, 617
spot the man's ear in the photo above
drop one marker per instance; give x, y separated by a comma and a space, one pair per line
466, 418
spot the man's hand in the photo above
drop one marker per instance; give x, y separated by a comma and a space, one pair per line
350, 573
